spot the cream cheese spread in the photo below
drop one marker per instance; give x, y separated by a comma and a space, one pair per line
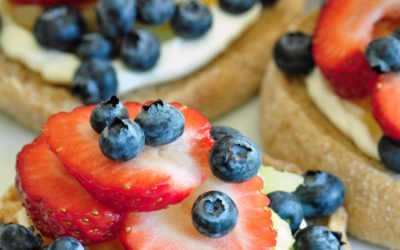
179, 57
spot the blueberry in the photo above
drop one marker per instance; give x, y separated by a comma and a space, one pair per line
106, 112
161, 123
321, 195
17, 237
214, 214
317, 238
235, 159
236, 6
389, 152
116, 17
94, 81
396, 34
122, 140
155, 12
95, 45
292, 53
59, 27
288, 207
66, 243
383, 55
217, 132
192, 19
140, 50
268, 3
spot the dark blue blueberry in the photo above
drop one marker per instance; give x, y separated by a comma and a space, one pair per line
106, 112
94, 81
214, 214
59, 27
155, 12
17, 237
288, 207
161, 123
389, 152
140, 50
396, 34
217, 132
317, 238
383, 55
235, 159
95, 46
122, 140
321, 195
66, 243
292, 53
192, 19
116, 17
236, 6
268, 3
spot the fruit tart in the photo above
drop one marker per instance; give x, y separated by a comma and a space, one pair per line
329, 102
157, 176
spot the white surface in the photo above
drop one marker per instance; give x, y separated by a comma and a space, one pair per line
13, 137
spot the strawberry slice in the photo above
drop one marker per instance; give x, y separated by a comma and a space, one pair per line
344, 30
56, 202
386, 103
158, 177
172, 228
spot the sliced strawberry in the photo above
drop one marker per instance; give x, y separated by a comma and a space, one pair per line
344, 29
158, 177
56, 202
172, 228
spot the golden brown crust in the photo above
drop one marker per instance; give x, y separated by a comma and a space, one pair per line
294, 130
228, 81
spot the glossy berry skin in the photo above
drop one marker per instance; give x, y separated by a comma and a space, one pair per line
59, 27
288, 207
383, 55
123, 140
17, 237
235, 159
396, 34
214, 214
155, 12
140, 50
116, 17
236, 6
65, 243
94, 81
321, 195
95, 45
317, 238
292, 53
389, 152
105, 113
192, 19
162, 123
217, 132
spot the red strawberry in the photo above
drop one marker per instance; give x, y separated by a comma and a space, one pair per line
172, 228
56, 202
158, 177
344, 30
386, 103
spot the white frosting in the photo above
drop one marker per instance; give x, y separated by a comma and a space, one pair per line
179, 57
345, 115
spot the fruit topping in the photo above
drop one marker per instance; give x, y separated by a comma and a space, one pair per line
94, 81
292, 53
396, 34
122, 140
214, 214
192, 19
48, 2
288, 207
268, 3
162, 123
140, 50
17, 237
317, 238
235, 159
57, 204
217, 132
95, 45
155, 12
389, 152
321, 195
158, 177
279, 181
59, 27
236, 6
383, 55
65, 243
